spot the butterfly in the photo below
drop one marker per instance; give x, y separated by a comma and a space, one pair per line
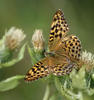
64, 51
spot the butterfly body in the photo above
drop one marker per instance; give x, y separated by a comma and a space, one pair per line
64, 51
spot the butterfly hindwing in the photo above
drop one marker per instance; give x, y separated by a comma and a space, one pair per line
70, 46
63, 69
73, 47
59, 28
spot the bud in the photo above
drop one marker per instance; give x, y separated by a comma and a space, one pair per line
14, 37
38, 40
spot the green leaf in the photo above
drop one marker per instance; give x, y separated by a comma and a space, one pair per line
32, 55
15, 60
35, 55
78, 79
90, 91
66, 92
90, 82
10, 83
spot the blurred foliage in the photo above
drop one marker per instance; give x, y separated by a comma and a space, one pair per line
10, 83
32, 14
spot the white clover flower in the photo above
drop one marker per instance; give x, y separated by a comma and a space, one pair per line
38, 40
14, 37
88, 59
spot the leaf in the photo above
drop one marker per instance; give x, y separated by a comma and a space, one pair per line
90, 82
90, 91
35, 55
10, 83
15, 60
69, 94
32, 55
78, 79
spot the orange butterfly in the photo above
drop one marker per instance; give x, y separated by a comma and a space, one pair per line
64, 51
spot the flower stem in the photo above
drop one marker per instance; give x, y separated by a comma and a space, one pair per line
47, 92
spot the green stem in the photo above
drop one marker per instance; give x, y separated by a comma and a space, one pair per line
47, 92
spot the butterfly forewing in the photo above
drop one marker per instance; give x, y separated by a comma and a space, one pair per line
39, 70
58, 29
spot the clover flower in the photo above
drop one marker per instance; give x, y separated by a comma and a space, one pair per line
88, 59
14, 37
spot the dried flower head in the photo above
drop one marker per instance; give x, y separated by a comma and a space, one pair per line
38, 40
88, 59
14, 37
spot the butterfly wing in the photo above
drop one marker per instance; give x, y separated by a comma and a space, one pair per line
63, 69
59, 28
62, 65
39, 70
70, 47
49, 65
66, 50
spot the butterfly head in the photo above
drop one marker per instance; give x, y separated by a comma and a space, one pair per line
59, 11
52, 54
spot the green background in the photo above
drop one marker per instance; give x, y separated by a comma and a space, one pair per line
37, 14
